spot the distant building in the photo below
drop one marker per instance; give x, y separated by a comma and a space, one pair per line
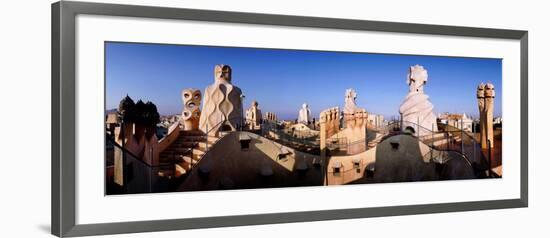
254, 116
304, 116
457, 120
112, 122
270, 116
167, 121
287, 123
376, 121
497, 120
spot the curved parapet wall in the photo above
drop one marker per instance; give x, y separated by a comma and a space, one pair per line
399, 158
171, 136
222, 109
300, 130
351, 168
404, 158
263, 164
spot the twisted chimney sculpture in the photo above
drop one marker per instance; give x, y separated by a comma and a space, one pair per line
222, 109
486, 102
304, 116
191, 113
416, 110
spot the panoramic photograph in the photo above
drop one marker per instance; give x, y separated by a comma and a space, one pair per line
184, 118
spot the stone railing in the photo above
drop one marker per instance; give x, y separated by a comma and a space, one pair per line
171, 136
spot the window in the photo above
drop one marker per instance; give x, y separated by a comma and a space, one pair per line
336, 168
336, 171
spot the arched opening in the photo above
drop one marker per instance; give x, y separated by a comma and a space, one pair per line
226, 127
410, 130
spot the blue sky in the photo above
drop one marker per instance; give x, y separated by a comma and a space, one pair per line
281, 80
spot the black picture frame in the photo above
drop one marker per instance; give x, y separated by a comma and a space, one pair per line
64, 134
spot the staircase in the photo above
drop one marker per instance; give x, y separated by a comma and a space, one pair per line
376, 140
185, 152
440, 138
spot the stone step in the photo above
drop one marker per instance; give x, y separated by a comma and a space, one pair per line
179, 170
185, 150
212, 139
436, 135
198, 153
195, 144
185, 164
167, 158
166, 173
187, 159
190, 138
191, 133
181, 149
184, 144
443, 141
201, 146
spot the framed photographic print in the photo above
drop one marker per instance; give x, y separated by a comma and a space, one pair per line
167, 118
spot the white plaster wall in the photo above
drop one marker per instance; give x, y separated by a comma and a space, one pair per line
25, 94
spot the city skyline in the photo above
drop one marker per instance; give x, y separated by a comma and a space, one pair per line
282, 80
